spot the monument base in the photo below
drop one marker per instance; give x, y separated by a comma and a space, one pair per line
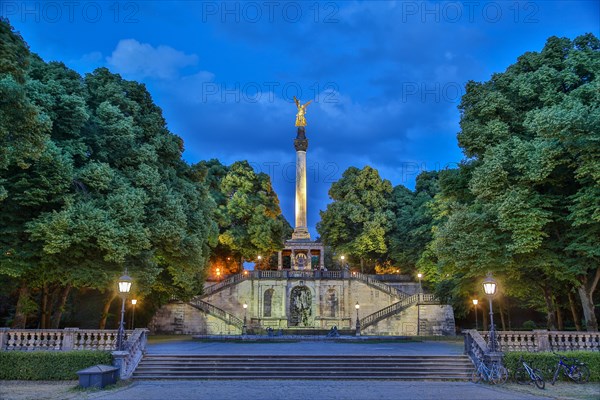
300, 234
304, 254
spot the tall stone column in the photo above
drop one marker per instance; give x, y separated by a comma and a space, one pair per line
301, 145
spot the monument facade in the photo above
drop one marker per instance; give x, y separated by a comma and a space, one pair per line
303, 295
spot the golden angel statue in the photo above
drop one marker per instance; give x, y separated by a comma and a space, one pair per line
300, 120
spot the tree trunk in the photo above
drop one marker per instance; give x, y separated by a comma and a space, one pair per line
60, 307
362, 265
20, 320
53, 295
508, 315
43, 315
501, 309
586, 294
573, 307
559, 316
106, 309
550, 312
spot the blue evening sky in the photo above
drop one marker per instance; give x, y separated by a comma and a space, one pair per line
385, 77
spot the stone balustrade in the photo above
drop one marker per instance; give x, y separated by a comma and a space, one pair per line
135, 348
543, 340
59, 339
79, 339
475, 345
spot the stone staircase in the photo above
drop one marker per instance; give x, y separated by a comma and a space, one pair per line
386, 312
374, 283
217, 312
408, 367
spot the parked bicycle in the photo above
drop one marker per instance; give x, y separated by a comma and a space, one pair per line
525, 374
572, 368
495, 374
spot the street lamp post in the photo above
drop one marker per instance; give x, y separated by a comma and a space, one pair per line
475, 302
124, 285
259, 261
244, 327
133, 303
420, 275
357, 306
489, 287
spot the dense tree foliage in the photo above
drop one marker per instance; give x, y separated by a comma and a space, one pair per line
530, 203
412, 229
359, 219
248, 215
524, 204
106, 190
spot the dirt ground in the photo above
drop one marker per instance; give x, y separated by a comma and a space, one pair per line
49, 390
561, 390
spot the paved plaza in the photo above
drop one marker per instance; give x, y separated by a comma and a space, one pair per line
271, 390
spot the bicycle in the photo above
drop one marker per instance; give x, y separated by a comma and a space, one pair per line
525, 374
497, 374
577, 371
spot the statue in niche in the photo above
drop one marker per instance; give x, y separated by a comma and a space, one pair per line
332, 302
300, 306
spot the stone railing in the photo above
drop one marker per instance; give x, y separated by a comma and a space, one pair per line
229, 281
134, 349
419, 298
79, 339
217, 312
543, 340
393, 278
59, 339
371, 281
269, 274
475, 345
374, 281
331, 274
292, 274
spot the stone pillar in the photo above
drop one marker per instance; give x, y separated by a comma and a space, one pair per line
309, 260
322, 258
541, 340
68, 341
3, 338
293, 260
279, 261
301, 145
120, 361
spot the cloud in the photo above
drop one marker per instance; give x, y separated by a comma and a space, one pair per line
142, 60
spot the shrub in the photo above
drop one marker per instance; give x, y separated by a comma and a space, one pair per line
529, 325
49, 365
546, 362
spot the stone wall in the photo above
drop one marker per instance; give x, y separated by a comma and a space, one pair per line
332, 303
183, 319
424, 320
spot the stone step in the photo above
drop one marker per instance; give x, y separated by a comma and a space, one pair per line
302, 363
284, 358
189, 366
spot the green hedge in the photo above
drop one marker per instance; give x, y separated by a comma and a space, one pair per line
546, 362
48, 365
